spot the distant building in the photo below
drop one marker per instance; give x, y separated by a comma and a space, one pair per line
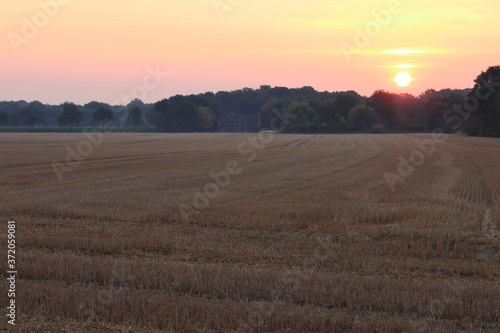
239, 123
379, 122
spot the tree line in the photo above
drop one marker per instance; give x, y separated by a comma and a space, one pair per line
306, 110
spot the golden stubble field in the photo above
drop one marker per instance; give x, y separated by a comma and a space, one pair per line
247, 233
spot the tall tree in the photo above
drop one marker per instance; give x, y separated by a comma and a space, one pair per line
4, 118
184, 116
300, 118
102, 114
135, 115
70, 115
484, 117
344, 102
300, 112
329, 119
204, 119
384, 103
158, 115
360, 117
32, 120
273, 113
32, 109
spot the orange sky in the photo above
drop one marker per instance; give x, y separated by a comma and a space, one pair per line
83, 50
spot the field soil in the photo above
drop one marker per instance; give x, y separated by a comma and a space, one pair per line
252, 233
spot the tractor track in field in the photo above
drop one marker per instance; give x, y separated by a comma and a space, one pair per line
489, 227
294, 143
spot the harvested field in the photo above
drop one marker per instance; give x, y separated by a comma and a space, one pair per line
248, 233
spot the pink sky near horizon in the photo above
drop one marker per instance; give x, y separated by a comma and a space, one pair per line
90, 50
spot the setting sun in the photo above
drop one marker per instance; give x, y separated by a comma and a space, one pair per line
403, 79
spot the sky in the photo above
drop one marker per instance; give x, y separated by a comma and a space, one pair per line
111, 51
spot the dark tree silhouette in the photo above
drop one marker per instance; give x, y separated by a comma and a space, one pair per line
360, 117
384, 102
184, 116
70, 115
344, 102
273, 113
483, 103
296, 110
135, 115
4, 118
102, 114
35, 109
32, 120
204, 118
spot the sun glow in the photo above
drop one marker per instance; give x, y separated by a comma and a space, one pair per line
403, 52
403, 79
404, 66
